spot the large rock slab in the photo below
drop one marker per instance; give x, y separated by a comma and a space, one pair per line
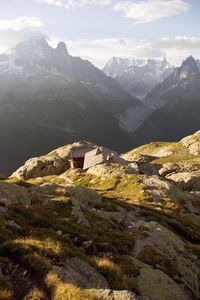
114, 295
11, 194
192, 142
188, 181
155, 285
41, 166
79, 273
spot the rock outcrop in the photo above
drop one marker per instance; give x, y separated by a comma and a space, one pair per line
11, 194
54, 163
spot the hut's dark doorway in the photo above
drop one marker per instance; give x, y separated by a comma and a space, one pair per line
77, 162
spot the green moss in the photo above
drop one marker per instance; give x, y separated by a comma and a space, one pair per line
18, 181
151, 148
106, 185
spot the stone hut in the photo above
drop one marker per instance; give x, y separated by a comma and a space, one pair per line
77, 154
101, 155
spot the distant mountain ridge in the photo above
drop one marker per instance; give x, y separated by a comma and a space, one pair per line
187, 73
177, 104
138, 76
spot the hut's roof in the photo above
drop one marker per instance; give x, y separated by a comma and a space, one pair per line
100, 155
80, 151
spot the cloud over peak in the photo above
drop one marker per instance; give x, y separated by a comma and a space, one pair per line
75, 3
142, 11
20, 23
180, 42
151, 10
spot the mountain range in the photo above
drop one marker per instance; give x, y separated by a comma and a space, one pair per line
138, 76
176, 103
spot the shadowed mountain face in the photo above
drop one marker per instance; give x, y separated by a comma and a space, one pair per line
49, 98
177, 100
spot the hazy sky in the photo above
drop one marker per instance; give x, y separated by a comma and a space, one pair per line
99, 29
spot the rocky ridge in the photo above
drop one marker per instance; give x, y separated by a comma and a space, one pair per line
112, 232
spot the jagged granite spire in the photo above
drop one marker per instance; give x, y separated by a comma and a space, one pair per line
61, 49
188, 68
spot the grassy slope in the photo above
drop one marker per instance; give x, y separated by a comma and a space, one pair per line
30, 245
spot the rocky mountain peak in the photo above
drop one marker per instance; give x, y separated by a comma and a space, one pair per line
138, 76
188, 68
165, 60
61, 49
190, 64
35, 41
31, 49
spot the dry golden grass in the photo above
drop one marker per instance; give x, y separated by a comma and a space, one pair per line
5, 295
47, 245
66, 291
35, 294
5, 288
112, 272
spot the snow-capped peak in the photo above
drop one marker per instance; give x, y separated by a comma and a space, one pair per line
138, 75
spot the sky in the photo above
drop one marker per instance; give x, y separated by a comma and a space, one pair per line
100, 29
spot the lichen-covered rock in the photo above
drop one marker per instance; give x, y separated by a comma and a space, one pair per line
169, 168
79, 216
136, 157
190, 273
105, 171
187, 180
81, 274
161, 237
114, 295
125, 295
11, 194
161, 246
156, 285
41, 166
192, 142
83, 196
118, 217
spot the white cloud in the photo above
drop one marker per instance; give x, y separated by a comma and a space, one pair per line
142, 11
75, 3
20, 23
151, 10
180, 42
10, 38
